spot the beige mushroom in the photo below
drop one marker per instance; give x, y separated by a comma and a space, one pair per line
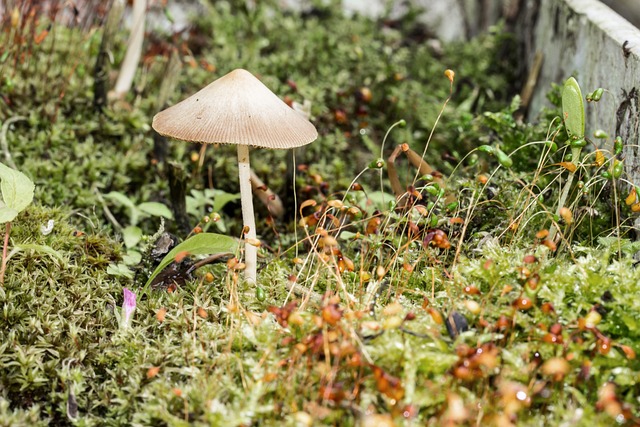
238, 109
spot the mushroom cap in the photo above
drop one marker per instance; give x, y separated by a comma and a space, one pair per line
236, 109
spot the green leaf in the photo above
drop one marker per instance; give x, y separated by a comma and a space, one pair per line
221, 198
131, 236
17, 192
120, 269
573, 108
132, 257
155, 209
199, 244
7, 214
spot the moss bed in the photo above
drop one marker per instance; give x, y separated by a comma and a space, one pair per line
458, 310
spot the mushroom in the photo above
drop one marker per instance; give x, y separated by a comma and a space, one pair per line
238, 109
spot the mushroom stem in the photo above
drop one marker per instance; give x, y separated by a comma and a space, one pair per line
246, 199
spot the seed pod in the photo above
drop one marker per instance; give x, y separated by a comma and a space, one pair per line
551, 338
432, 190
486, 149
599, 158
260, 294
566, 215
365, 94
556, 329
542, 234
592, 319
552, 146
377, 164
578, 143
631, 198
503, 158
618, 168
153, 371
471, 290
523, 303
600, 134
472, 306
568, 166
617, 145
451, 206
450, 74
604, 345
595, 95
556, 367
628, 351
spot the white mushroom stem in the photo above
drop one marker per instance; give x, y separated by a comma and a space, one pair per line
246, 199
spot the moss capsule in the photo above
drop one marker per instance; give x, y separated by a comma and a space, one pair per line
618, 168
600, 134
503, 158
552, 146
596, 95
377, 164
486, 149
631, 198
617, 145
578, 143
260, 293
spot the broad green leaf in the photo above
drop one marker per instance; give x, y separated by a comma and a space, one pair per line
17, 191
120, 269
132, 257
155, 209
220, 199
573, 108
131, 236
199, 244
7, 214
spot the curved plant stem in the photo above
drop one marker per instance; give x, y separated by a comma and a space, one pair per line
3, 139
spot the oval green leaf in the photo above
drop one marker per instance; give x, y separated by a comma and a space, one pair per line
155, 209
199, 244
17, 191
573, 108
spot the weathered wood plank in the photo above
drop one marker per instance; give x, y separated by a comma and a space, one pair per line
587, 39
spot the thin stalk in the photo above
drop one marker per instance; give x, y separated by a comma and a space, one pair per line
248, 219
575, 152
4, 251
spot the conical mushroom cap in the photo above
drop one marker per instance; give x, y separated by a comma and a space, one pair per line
236, 109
